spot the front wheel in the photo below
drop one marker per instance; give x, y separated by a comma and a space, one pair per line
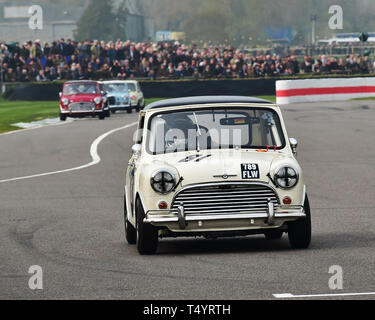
273, 234
62, 117
299, 232
147, 235
102, 116
129, 110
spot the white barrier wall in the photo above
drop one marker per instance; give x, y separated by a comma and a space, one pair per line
313, 90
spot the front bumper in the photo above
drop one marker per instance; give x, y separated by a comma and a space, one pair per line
176, 220
119, 107
81, 113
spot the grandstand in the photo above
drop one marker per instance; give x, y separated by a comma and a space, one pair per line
60, 21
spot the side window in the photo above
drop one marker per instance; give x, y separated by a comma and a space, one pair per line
141, 125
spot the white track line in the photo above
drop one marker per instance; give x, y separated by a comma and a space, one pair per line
93, 152
292, 296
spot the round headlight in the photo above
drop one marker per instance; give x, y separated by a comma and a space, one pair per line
98, 100
163, 181
65, 101
286, 177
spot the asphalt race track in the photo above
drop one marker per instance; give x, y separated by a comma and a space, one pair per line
71, 223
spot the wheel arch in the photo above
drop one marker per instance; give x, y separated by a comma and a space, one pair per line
132, 209
304, 195
138, 197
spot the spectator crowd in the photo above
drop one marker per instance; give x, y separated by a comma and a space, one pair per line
69, 60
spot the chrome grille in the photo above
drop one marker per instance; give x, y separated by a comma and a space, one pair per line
82, 106
111, 101
223, 198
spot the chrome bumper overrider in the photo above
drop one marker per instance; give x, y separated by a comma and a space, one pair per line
273, 213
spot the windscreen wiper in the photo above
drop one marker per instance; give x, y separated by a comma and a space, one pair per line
199, 133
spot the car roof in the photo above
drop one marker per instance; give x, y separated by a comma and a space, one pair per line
204, 100
114, 81
81, 81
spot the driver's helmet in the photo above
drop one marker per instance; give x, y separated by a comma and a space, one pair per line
71, 90
179, 121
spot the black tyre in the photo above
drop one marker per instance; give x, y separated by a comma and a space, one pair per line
138, 108
130, 232
147, 235
273, 234
108, 114
113, 111
62, 117
102, 116
129, 110
299, 232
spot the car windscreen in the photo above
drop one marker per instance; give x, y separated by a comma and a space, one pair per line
219, 128
132, 87
80, 88
116, 87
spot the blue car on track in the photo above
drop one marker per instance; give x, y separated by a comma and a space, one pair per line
118, 96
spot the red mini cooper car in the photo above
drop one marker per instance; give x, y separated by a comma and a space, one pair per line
83, 99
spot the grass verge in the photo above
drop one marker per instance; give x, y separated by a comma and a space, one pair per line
270, 98
363, 99
25, 111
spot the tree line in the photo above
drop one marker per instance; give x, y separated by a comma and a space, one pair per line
247, 20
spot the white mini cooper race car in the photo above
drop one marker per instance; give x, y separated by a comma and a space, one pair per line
214, 167
137, 98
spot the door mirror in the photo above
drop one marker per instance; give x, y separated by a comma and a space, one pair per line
136, 150
293, 144
60, 94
